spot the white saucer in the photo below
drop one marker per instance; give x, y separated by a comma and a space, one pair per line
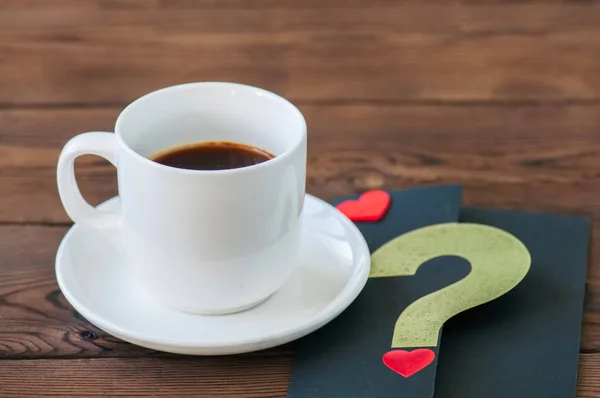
333, 268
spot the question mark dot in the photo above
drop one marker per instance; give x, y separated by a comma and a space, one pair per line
407, 363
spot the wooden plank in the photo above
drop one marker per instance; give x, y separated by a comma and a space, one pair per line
182, 377
233, 377
115, 51
534, 157
242, 4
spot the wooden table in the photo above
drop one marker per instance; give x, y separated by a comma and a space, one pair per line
502, 97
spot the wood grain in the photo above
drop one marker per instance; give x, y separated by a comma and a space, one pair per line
90, 52
148, 377
501, 97
536, 157
159, 377
190, 377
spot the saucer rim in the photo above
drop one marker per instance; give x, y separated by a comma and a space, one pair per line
335, 307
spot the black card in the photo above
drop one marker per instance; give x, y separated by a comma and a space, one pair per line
522, 344
343, 359
525, 343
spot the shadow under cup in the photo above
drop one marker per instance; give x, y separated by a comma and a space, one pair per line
211, 241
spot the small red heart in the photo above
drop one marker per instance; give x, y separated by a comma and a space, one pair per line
370, 206
407, 363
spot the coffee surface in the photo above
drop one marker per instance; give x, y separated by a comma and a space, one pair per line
219, 155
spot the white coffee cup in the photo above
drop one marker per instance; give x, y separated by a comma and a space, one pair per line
208, 242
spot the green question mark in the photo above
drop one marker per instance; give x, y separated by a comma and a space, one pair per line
499, 261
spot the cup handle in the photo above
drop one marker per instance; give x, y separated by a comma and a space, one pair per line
79, 210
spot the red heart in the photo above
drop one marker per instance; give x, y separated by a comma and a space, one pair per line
370, 206
407, 363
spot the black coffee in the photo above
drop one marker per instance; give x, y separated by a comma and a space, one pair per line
212, 156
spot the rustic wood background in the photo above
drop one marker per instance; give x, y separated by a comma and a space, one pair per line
502, 97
